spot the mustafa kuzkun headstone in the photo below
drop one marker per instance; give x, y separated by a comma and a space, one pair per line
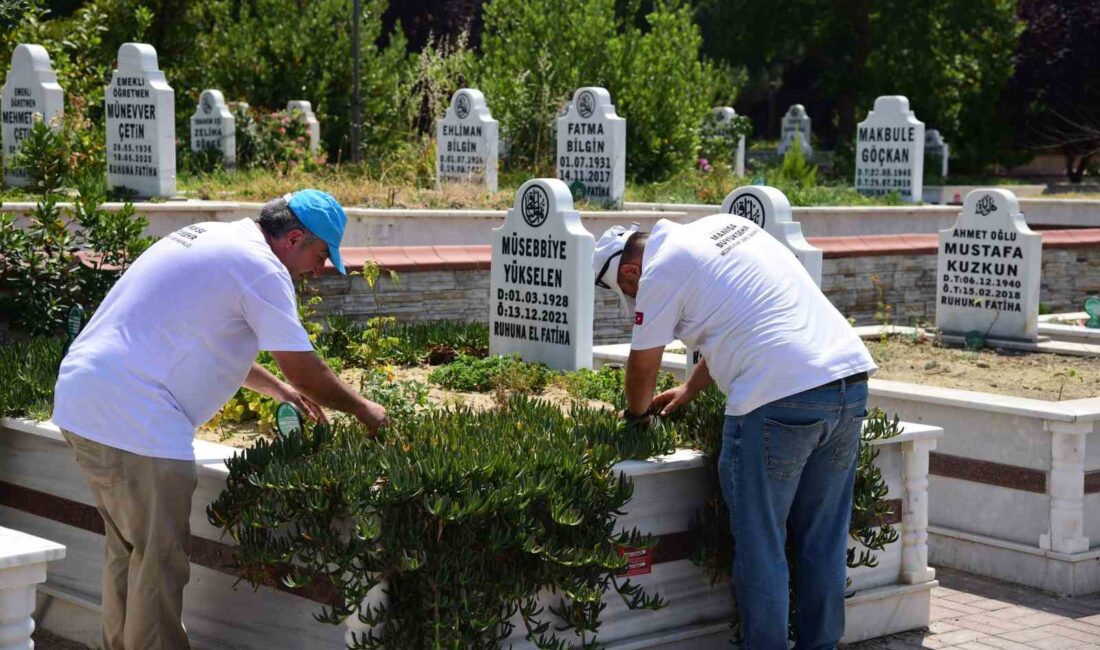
720, 125
541, 282
313, 127
890, 150
214, 127
141, 125
935, 148
466, 142
30, 89
988, 270
769, 208
795, 124
592, 148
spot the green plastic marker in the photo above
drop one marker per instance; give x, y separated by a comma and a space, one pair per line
74, 322
975, 340
287, 419
578, 190
1092, 308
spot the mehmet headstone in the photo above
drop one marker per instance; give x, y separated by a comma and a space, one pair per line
721, 123
935, 147
541, 282
988, 270
30, 88
141, 125
592, 147
467, 141
214, 127
313, 127
890, 150
795, 126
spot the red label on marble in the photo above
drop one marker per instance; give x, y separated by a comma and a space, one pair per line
639, 561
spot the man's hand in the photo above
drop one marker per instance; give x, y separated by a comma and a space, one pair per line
373, 415
305, 405
672, 399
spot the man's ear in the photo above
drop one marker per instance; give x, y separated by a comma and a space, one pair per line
631, 270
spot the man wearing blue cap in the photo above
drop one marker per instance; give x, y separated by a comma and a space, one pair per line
173, 340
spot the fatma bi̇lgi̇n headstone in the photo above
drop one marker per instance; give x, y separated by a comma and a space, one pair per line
541, 281
890, 150
592, 148
467, 142
141, 125
214, 127
988, 270
30, 90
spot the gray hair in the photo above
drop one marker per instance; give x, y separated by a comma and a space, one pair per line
276, 219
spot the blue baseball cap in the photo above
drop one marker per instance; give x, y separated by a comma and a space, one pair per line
324, 217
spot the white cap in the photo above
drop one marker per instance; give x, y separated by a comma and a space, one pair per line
605, 263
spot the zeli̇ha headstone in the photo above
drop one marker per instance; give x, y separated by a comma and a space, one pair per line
141, 125
214, 127
795, 126
988, 270
592, 148
718, 130
466, 142
935, 148
541, 282
890, 150
313, 127
30, 88
769, 208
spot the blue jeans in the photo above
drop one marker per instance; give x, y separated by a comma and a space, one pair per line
791, 465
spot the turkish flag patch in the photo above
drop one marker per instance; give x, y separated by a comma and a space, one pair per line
639, 317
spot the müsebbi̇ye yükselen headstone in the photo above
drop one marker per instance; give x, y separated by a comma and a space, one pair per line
313, 126
890, 150
795, 125
141, 125
541, 281
214, 127
30, 88
988, 270
466, 142
770, 209
592, 148
721, 124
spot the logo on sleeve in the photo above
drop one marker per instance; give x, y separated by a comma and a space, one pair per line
639, 317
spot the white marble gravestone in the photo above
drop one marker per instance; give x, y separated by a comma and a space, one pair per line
213, 126
592, 147
890, 150
541, 281
313, 127
795, 124
988, 269
30, 88
722, 121
141, 125
467, 141
936, 147
769, 208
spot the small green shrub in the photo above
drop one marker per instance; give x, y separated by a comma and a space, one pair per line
472, 374
605, 384
406, 344
401, 399
29, 369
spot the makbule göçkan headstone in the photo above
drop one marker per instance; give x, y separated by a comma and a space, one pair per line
988, 269
592, 147
141, 124
30, 88
541, 282
890, 150
214, 127
467, 141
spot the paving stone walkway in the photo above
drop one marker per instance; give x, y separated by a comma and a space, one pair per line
976, 613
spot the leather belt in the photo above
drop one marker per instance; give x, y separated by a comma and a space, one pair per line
857, 378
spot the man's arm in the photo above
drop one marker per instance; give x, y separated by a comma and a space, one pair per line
674, 398
308, 374
641, 378
260, 380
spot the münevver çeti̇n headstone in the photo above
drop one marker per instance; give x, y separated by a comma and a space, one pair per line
988, 270
720, 124
214, 127
795, 125
935, 147
890, 150
141, 125
313, 127
592, 147
30, 88
466, 141
541, 281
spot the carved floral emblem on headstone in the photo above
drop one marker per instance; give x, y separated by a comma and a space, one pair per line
535, 207
462, 106
586, 104
207, 103
985, 206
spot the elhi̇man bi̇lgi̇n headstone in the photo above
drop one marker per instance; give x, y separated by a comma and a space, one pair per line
890, 150
592, 148
467, 141
141, 125
30, 89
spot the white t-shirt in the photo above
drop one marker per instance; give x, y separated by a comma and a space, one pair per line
175, 338
728, 289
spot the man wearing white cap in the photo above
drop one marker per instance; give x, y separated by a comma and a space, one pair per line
795, 376
173, 340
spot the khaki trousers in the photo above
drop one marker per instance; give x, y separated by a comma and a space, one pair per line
146, 507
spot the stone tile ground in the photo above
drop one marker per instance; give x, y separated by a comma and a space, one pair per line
968, 612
